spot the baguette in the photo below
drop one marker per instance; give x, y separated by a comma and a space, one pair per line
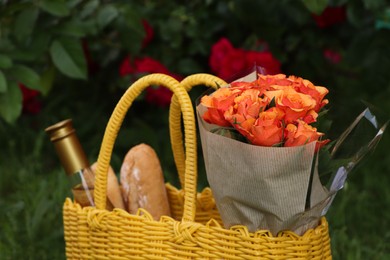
142, 182
114, 194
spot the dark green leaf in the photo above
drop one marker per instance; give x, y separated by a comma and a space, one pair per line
5, 62
106, 15
374, 4
11, 103
89, 8
188, 66
229, 132
25, 23
272, 103
3, 83
25, 75
22, 55
315, 6
35, 50
55, 7
73, 27
47, 80
77, 28
74, 3
40, 44
6, 45
356, 14
133, 20
68, 56
131, 31
337, 2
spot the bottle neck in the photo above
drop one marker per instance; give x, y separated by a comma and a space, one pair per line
68, 147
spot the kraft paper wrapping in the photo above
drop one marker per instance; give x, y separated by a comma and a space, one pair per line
262, 187
274, 188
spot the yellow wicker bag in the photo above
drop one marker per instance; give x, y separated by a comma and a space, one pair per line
194, 231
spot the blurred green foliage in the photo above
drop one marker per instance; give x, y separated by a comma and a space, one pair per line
43, 46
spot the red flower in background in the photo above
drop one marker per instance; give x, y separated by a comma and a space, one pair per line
218, 52
232, 63
149, 65
149, 33
93, 67
332, 56
330, 16
126, 67
31, 104
225, 60
160, 96
265, 60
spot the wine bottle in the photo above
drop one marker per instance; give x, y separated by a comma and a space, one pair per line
74, 161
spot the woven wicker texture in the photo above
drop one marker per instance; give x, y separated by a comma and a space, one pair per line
194, 231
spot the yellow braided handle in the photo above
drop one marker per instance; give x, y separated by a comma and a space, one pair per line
175, 118
115, 123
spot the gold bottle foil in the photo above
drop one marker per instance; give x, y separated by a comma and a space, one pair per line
68, 147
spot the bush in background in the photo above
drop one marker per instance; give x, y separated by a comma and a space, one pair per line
74, 59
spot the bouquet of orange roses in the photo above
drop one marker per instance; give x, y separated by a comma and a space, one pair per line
261, 152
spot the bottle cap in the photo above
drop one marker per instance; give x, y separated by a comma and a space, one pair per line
68, 147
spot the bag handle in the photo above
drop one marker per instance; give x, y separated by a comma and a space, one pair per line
175, 111
115, 122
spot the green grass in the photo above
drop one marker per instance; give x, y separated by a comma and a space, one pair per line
31, 199
33, 187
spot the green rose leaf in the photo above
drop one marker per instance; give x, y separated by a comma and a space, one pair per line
5, 62
106, 15
73, 28
25, 23
131, 30
3, 83
132, 20
47, 80
374, 4
74, 3
89, 8
68, 57
40, 43
25, 75
315, 6
11, 103
55, 7
356, 14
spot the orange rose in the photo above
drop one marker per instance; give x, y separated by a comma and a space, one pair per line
310, 117
266, 81
250, 104
280, 82
316, 92
242, 125
266, 130
248, 108
295, 105
301, 134
242, 85
217, 104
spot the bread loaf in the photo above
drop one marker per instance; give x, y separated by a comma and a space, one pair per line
114, 194
142, 182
